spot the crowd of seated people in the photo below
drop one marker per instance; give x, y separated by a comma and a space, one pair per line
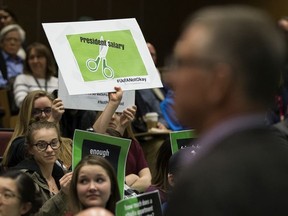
39, 154
41, 144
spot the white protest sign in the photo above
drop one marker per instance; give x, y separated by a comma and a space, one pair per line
97, 101
96, 56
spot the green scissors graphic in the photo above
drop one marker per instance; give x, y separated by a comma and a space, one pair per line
93, 64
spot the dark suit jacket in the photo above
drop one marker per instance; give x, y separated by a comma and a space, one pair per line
244, 174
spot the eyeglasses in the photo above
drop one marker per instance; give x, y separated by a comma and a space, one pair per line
8, 195
42, 145
10, 39
38, 112
4, 17
178, 63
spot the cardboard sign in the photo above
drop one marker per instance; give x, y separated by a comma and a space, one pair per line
96, 56
181, 139
97, 101
114, 149
147, 204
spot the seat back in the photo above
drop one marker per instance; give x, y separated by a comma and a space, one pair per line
5, 136
9, 120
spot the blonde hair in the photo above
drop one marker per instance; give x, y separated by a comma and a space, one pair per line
65, 155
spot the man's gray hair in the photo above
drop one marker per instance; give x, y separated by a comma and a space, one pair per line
250, 42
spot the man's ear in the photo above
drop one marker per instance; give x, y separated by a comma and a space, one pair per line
171, 179
25, 207
221, 83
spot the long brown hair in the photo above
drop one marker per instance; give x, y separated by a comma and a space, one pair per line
159, 178
76, 205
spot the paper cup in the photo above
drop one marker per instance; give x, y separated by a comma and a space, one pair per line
151, 120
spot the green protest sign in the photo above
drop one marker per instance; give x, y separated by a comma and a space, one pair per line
143, 204
114, 149
181, 139
106, 55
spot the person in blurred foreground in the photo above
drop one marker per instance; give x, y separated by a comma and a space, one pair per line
227, 69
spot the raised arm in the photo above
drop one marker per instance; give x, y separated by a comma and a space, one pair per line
57, 110
141, 181
101, 124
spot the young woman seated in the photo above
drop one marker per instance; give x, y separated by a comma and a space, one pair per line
94, 184
43, 144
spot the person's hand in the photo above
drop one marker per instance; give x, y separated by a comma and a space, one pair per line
116, 97
127, 116
161, 126
57, 110
131, 179
65, 182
